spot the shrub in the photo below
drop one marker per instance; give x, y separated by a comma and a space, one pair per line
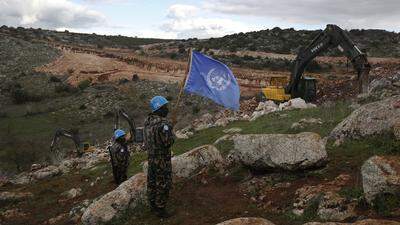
54, 79
65, 88
84, 84
21, 96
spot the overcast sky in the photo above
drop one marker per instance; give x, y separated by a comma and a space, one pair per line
201, 18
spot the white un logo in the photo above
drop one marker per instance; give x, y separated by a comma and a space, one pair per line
218, 79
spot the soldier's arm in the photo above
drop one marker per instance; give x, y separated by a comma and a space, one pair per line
165, 134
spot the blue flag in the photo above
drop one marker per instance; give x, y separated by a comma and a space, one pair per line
212, 79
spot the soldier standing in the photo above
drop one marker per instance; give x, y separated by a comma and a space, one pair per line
158, 137
119, 154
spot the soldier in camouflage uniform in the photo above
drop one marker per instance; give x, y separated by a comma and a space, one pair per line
158, 137
119, 154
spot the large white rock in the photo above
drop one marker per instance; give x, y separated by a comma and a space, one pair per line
370, 119
194, 161
247, 221
127, 195
296, 103
280, 151
381, 174
46, 172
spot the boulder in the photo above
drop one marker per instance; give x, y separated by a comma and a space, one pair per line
73, 193
370, 119
47, 172
296, 103
247, 221
194, 161
381, 175
36, 166
361, 222
333, 207
309, 194
14, 196
280, 151
221, 122
76, 212
305, 122
127, 195
204, 122
379, 84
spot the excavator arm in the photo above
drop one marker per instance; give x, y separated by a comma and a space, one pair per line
74, 136
120, 112
333, 36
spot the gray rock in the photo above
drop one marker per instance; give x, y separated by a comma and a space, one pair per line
370, 119
379, 84
335, 208
247, 221
380, 175
73, 193
280, 151
14, 196
128, 195
191, 163
47, 172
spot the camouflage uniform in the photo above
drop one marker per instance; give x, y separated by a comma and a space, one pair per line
119, 154
158, 137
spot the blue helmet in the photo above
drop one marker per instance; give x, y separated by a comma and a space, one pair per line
157, 102
119, 133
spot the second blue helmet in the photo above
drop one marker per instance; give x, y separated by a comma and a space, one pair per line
157, 102
119, 133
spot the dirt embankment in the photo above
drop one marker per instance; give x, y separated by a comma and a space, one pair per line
113, 65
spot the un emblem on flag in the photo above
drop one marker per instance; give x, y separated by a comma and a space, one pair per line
218, 79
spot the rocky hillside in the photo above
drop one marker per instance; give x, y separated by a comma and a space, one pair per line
376, 43
292, 163
67, 37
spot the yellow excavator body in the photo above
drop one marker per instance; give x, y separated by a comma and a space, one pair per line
275, 93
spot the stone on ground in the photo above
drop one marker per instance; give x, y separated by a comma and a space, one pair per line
247, 221
127, 195
47, 172
280, 151
381, 175
370, 119
14, 196
194, 162
73, 193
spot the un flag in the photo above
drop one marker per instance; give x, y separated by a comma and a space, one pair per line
212, 79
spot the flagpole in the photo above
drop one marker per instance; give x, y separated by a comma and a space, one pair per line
182, 86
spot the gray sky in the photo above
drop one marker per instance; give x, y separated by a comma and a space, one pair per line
201, 18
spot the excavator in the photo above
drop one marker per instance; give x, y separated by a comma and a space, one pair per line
134, 134
71, 134
305, 87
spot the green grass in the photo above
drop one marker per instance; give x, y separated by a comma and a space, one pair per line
271, 123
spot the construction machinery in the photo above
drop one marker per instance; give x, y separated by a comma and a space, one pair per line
74, 136
305, 87
134, 134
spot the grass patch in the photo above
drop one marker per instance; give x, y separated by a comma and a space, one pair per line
385, 203
351, 192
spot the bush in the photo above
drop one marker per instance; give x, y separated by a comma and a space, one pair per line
54, 79
65, 88
84, 84
21, 96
